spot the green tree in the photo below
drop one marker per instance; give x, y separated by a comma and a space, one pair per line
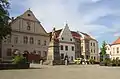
103, 51
5, 29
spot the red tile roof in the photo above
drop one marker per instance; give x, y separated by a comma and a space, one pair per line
117, 41
75, 34
86, 35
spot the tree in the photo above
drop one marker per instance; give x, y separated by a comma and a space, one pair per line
103, 51
5, 29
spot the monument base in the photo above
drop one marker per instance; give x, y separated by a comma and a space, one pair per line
53, 62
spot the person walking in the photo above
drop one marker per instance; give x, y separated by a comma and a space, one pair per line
66, 61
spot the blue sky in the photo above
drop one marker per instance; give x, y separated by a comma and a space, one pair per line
99, 18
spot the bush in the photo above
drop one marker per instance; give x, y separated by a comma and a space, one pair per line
113, 62
92, 61
106, 62
102, 63
19, 60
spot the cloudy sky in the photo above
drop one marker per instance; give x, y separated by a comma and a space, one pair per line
99, 18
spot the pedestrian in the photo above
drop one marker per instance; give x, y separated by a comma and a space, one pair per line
41, 62
66, 61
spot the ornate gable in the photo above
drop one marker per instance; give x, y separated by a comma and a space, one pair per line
27, 22
66, 35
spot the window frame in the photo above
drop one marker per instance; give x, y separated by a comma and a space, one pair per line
61, 47
66, 48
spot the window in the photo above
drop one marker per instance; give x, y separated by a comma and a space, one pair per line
72, 48
117, 49
29, 15
31, 40
28, 25
87, 57
9, 52
44, 43
25, 39
91, 50
62, 56
16, 40
94, 58
61, 47
113, 50
45, 53
71, 58
62, 38
39, 52
9, 39
70, 39
66, 48
94, 50
91, 44
39, 42
91, 57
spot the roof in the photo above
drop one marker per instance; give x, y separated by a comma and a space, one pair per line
75, 34
86, 35
26, 12
117, 41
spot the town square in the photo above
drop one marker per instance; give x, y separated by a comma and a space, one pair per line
59, 39
63, 72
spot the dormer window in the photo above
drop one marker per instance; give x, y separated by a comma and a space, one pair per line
29, 15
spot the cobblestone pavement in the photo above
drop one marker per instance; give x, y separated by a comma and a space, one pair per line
63, 72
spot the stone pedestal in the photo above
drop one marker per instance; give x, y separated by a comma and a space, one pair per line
53, 57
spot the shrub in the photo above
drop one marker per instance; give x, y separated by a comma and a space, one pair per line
92, 61
19, 60
118, 62
113, 62
107, 62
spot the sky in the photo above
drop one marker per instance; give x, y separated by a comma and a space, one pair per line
98, 18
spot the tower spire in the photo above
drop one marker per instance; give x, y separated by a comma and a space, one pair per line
66, 24
29, 8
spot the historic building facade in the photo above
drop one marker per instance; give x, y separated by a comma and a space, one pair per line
66, 43
89, 47
28, 35
113, 50
77, 38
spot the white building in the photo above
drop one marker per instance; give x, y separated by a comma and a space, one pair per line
114, 49
27, 35
66, 43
